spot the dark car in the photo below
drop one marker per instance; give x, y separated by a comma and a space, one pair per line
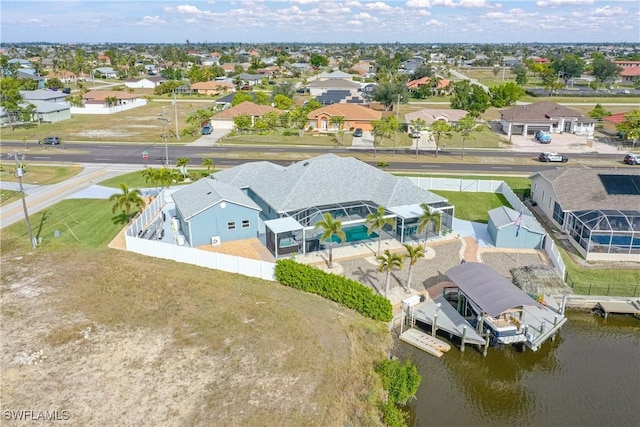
50, 140
206, 130
357, 133
66, 90
553, 157
632, 159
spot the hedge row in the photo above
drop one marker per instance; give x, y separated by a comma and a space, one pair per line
346, 292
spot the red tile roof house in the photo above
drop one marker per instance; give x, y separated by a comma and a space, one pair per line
610, 123
65, 76
547, 116
212, 87
630, 75
355, 116
224, 119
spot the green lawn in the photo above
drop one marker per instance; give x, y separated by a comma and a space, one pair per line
41, 175
83, 224
135, 180
8, 196
473, 206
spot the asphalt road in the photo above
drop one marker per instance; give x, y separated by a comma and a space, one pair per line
227, 156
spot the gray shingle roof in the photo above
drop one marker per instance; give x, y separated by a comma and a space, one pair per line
204, 193
541, 111
581, 189
505, 216
324, 180
41, 95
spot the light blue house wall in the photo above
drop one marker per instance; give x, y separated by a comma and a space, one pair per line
502, 228
233, 222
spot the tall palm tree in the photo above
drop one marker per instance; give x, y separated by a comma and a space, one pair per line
182, 162
414, 253
208, 163
426, 220
330, 228
128, 201
389, 262
166, 176
376, 221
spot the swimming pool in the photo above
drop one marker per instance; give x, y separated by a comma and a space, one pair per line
622, 241
359, 232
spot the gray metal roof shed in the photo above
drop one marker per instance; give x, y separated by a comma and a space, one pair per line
487, 288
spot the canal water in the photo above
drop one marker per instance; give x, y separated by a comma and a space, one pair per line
588, 376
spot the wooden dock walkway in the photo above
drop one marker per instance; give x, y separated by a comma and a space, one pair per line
425, 342
620, 307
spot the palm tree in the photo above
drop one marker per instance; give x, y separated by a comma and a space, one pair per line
128, 201
208, 163
414, 253
426, 220
331, 228
182, 162
150, 176
376, 221
389, 262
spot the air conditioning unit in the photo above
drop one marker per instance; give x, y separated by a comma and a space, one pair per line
215, 241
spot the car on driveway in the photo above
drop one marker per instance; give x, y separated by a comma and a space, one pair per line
632, 159
206, 130
543, 137
552, 157
50, 140
357, 133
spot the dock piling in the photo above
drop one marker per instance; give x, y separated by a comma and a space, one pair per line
464, 334
434, 327
486, 346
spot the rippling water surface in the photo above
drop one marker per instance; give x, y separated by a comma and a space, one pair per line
588, 376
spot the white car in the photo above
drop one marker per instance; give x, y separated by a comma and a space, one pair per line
552, 157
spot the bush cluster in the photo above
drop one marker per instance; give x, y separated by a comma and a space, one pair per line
346, 292
401, 383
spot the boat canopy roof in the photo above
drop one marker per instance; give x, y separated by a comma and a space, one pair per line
488, 289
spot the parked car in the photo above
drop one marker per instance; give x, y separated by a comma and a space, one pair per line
543, 137
357, 133
245, 87
632, 159
66, 90
206, 130
552, 157
50, 140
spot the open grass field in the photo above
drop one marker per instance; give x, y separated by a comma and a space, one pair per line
39, 174
135, 179
473, 206
172, 344
8, 196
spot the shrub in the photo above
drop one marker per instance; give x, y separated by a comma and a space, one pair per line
342, 290
400, 381
290, 133
392, 415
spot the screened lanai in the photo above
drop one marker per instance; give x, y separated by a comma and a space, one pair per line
605, 231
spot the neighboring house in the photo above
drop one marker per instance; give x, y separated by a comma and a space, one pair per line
65, 76
363, 68
225, 102
545, 116
209, 61
355, 116
212, 87
611, 122
426, 81
597, 209
630, 73
430, 115
44, 95
318, 87
150, 82
340, 96
210, 212
106, 72
50, 112
108, 102
250, 79
509, 230
31, 76
335, 75
224, 119
293, 199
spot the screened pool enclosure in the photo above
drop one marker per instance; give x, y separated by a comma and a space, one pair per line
605, 231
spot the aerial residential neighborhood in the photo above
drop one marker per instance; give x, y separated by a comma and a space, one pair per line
288, 213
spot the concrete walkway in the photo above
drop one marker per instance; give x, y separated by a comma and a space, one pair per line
210, 140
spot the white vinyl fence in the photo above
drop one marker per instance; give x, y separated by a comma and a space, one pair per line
492, 186
217, 261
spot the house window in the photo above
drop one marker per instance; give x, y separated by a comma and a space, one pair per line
231, 225
245, 223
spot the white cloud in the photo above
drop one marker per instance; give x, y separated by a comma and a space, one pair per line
355, 22
185, 8
304, 1
151, 20
435, 23
473, 3
418, 4
609, 11
556, 3
379, 6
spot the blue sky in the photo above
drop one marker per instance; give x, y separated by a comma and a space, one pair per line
346, 21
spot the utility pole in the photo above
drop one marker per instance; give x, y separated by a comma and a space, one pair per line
165, 122
175, 114
20, 173
395, 141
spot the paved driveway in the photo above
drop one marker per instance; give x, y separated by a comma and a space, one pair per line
211, 139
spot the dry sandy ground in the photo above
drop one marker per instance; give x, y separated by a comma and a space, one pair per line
204, 351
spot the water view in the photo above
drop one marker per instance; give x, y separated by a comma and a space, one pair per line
588, 376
